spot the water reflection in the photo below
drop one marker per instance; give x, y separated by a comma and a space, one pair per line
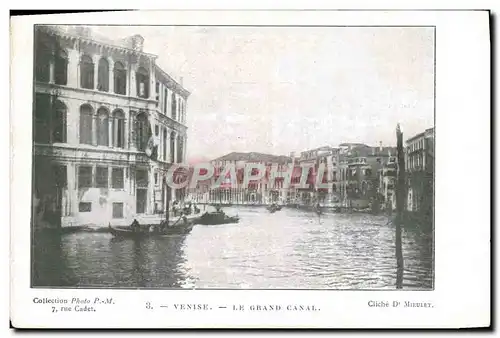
287, 249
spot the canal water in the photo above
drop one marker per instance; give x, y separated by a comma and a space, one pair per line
287, 249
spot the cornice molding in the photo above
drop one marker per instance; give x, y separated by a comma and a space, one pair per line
53, 31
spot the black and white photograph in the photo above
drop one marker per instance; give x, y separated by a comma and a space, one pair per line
249, 169
233, 157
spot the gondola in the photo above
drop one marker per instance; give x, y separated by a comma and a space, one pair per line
273, 208
216, 218
142, 231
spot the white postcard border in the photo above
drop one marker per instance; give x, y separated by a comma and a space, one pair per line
462, 234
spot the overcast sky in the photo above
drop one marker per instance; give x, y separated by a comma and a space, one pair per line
282, 89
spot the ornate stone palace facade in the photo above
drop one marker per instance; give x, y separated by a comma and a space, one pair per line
107, 125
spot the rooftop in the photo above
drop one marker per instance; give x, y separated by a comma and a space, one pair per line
429, 131
131, 44
347, 144
254, 157
366, 151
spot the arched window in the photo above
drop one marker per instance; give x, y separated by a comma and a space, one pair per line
165, 144
181, 111
364, 188
142, 78
59, 122
42, 118
103, 75
86, 112
165, 101
43, 56
180, 145
120, 78
118, 129
172, 147
334, 187
61, 68
102, 127
174, 107
86, 72
157, 93
141, 131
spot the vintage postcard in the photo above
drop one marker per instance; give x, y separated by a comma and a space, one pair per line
231, 169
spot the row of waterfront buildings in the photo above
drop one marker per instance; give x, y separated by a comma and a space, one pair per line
355, 175
108, 123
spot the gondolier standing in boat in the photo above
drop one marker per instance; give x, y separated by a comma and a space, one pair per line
135, 226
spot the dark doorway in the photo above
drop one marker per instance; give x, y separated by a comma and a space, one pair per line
141, 176
141, 200
50, 181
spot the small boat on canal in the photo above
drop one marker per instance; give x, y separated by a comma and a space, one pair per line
273, 208
215, 218
140, 231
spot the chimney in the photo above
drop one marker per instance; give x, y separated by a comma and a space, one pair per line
137, 42
83, 31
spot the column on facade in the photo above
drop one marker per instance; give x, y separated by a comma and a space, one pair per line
72, 122
95, 124
179, 108
111, 66
111, 123
73, 67
130, 184
171, 134
184, 148
72, 189
164, 145
183, 111
152, 79
51, 70
160, 97
174, 160
125, 132
151, 191
95, 60
184, 108
166, 101
132, 85
177, 152
173, 96
130, 134
167, 154
160, 140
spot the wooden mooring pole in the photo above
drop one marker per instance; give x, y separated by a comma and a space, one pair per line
400, 207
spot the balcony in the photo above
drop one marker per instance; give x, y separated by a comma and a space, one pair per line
391, 172
357, 161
